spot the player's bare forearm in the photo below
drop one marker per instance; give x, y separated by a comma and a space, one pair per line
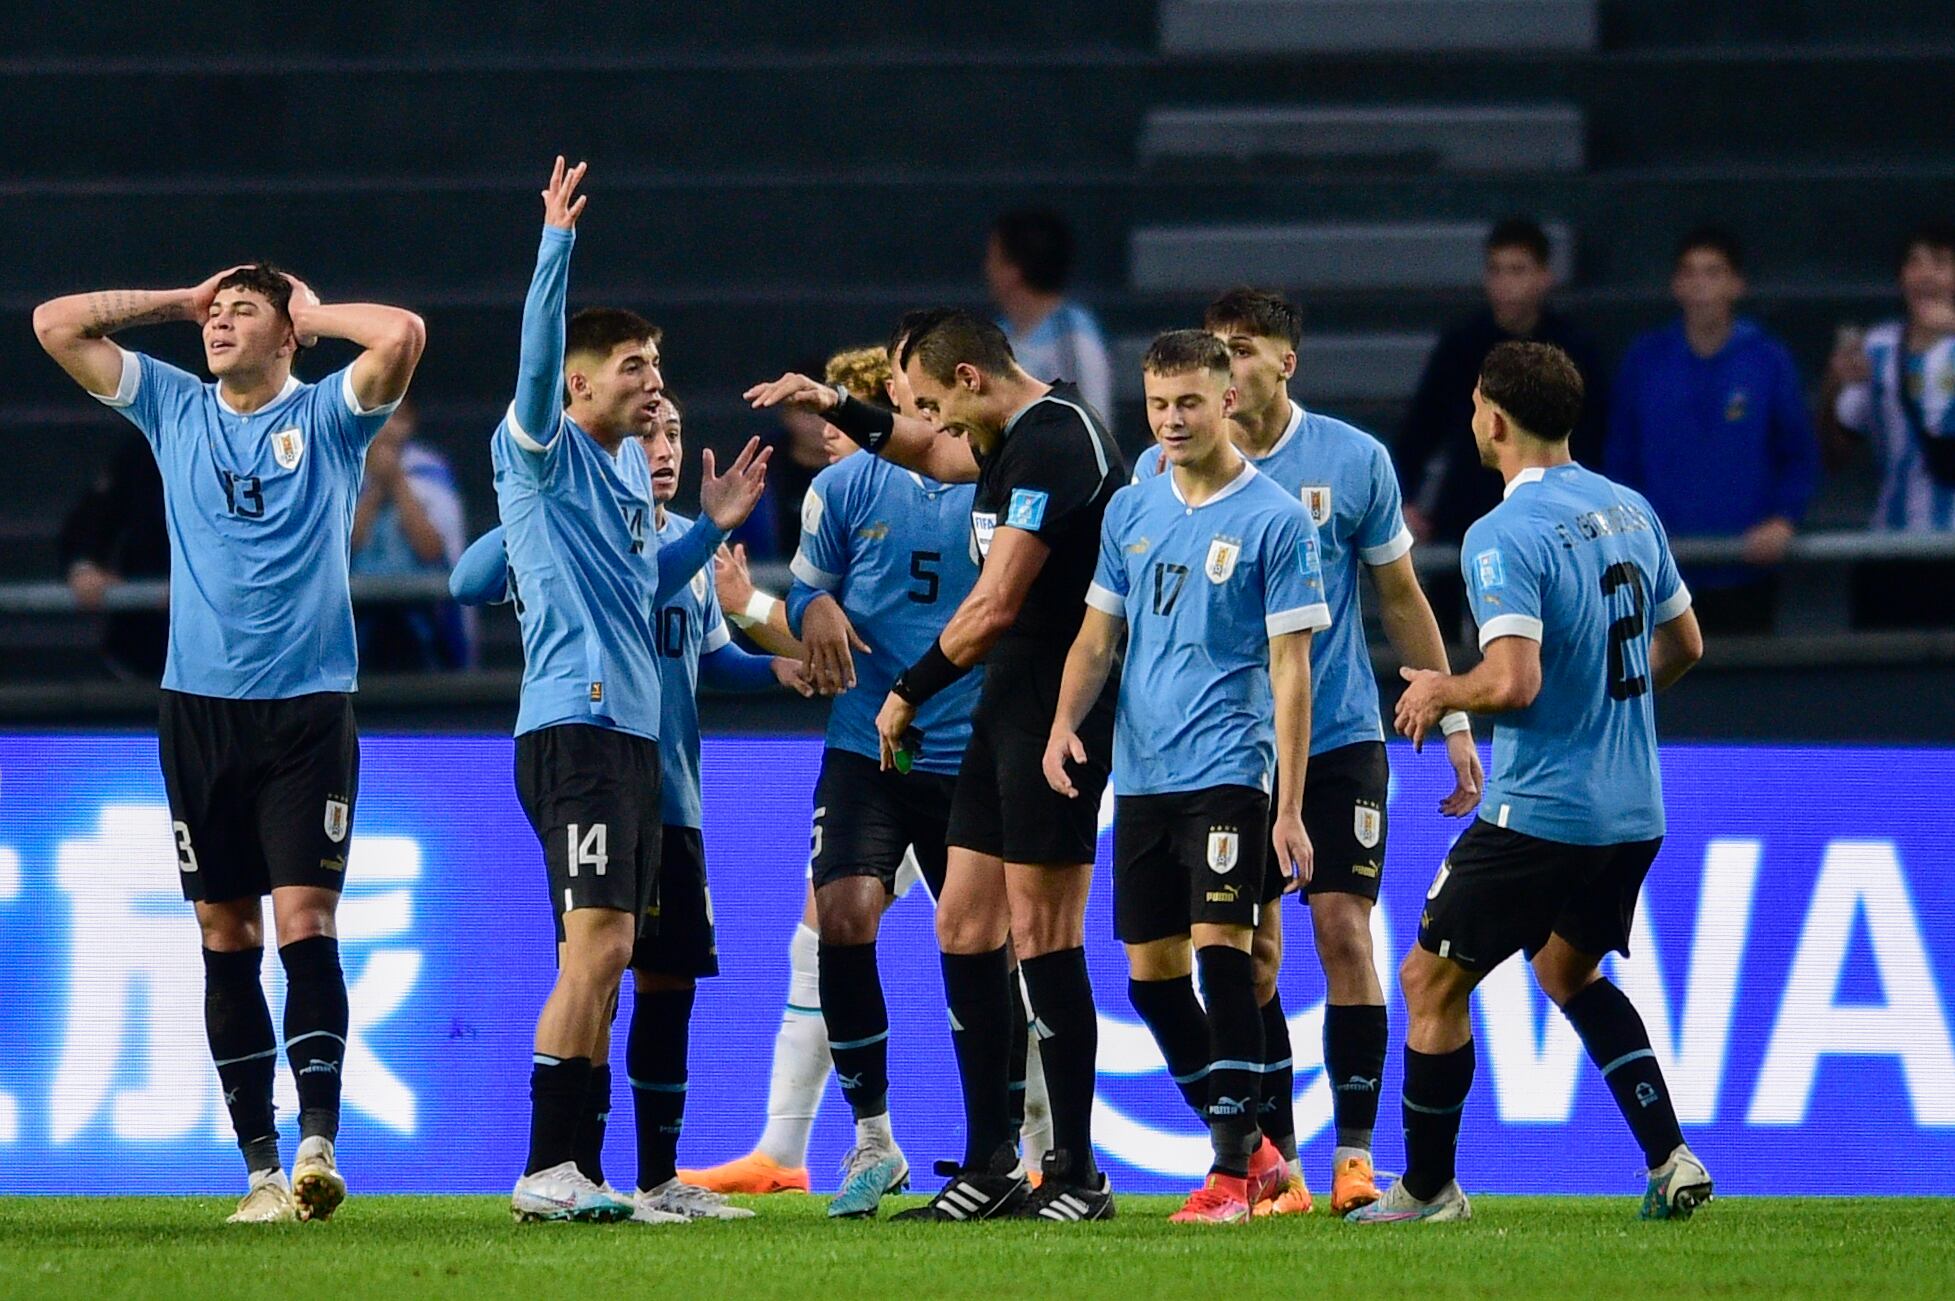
1289, 681
1675, 648
773, 636
392, 338
1407, 616
75, 329
1508, 678
1088, 664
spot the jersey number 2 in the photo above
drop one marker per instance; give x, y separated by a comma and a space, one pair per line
1625, 630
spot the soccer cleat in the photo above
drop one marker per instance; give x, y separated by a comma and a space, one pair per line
1352, 1184
1676, 1188
1060, 1200
1222, 1199
972, 1195
563, 1192
268, 1202
1398, 1206
317, 1185
1268, 1173
870, 1172
643, 1214
676, 1197
1293, 1198
751, 1175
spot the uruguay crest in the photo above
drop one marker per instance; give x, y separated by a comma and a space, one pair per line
1222, 555
288, 446
336, 820
1366, 823
1224, 849
1316, 499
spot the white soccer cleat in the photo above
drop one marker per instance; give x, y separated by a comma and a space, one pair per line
1398, 1206
268, 1202
317, 1185
563, 1192
642, 1214
1676, 1188
688, 1202
872, 1170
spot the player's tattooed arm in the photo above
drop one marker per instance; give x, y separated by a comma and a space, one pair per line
1289, 679
75, 329
1088, 664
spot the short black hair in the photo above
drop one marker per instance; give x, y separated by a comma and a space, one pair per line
1537, 385
1936, 236
1039, 243
1523, 233
908, 326
947, 338
672, 404
1179, 352
1263, 313
1712, 239
597, 330
267, 280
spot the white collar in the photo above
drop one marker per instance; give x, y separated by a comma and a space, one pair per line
1289, 432
1228, 489
292, 386
1532, 474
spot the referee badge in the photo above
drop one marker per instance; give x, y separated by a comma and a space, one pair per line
288, 446
1224, 848
1222, 556
1366, 823
336, 817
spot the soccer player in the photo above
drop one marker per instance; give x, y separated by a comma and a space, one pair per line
1582, 615
574, 492
1344, 476
1209, 573
261, 759
1021, 855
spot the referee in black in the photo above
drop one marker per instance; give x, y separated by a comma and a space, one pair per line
1020, 855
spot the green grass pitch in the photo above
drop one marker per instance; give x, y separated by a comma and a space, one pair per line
395, 1248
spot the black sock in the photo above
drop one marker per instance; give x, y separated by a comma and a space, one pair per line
1171, 1011
238, 1022
1617, 1043
858, 1025
1069, 1051
592, 1125
315, 1030
557, 1087
1355, 1036
982, 1009
1436, 1085
1021, 1018
1235, 1050
655, 1059
1277, 1113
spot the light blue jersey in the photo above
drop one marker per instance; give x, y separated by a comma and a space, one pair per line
1203, 589
689, 625
1345, 477
894, 548
1582, 566
578, 530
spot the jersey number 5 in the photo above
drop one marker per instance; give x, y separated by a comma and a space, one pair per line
920, 569
1625, 630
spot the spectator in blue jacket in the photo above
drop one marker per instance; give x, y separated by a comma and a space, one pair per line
1709, 421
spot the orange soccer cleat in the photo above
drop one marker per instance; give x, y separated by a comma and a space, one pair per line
1353, 1185
1223, 1199
1292, 1197
1268, 1173
752, 1174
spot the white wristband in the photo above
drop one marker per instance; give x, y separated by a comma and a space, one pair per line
1456, 721
759, 609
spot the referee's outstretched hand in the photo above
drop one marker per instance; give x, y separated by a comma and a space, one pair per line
795, 391
1060, 747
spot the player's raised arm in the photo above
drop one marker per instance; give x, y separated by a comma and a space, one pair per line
911, 443
539, 366
1088, 664
75, 330
392, 339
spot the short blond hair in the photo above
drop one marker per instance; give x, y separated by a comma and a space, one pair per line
864, 372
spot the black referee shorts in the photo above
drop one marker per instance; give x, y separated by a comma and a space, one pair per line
592, 797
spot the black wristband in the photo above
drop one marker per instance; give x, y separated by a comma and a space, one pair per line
866, 423
927, 676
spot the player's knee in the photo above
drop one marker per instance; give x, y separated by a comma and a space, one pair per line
1561, 978
1344, 942
1420, 981
971, 931
848, 925
598, 955
229, 928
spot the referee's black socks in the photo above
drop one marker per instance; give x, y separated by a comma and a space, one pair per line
1171, 1011
315, 1030
1235, 1051
655, 1060
982, 1007
858, 1025
1619, 1045
238, 1022
1069, 1049
1436, 1085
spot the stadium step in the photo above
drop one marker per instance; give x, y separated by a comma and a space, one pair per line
1338, 26
1354, 255
1714, 23
1456, 138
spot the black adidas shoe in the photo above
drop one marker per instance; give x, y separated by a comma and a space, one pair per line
1057, 1198
972, 1195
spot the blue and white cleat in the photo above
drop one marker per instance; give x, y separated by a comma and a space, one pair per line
562, 1193
676, 1197
871, 1171
1676, 1188
1399, 1206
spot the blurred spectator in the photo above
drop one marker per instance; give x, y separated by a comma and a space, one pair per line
1446, 488
408, 521
1028, 260
1710, 423
116, 532
1895, 386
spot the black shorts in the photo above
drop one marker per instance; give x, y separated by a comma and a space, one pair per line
261, 792
1004, 807
676, 938
592, 797
1344, 793
1500, 892
1193, 856
865, 818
